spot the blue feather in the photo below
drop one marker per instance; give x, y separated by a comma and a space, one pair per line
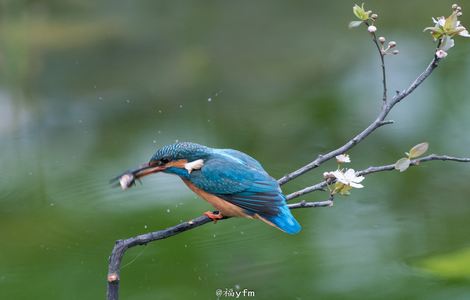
235, 177
285, 221
241, 180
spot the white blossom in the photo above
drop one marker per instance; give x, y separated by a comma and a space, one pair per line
440, 21
464, 33
447, 43
343, 158
349, 178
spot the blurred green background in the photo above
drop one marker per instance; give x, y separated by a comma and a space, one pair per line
91, 88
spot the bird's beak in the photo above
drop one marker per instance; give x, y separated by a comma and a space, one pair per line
146, 169
128, 178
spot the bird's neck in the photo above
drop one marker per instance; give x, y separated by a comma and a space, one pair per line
183, 173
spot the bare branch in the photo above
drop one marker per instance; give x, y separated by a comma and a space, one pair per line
386, 122
121, 246
382, 61
305, 204
316, 187
414, 162
322, 185
378, 122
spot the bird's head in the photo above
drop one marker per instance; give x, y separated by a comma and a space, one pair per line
178, 158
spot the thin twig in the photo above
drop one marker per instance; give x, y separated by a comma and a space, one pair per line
378, 122
382, 61
322, 185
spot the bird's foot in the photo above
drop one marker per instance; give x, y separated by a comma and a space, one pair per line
214, 215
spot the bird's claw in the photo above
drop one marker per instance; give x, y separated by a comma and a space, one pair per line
214, 215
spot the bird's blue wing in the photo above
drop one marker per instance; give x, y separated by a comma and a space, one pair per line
243, 184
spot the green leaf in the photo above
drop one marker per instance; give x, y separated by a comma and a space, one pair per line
418, 150
357, 10
360, 12
402, 164
353, 24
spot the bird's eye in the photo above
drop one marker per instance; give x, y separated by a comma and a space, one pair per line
164, 161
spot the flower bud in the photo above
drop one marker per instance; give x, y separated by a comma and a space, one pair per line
392, 44
459, 14
441, 53
381, 39
454, 6
374, 16
395, 52
372, 28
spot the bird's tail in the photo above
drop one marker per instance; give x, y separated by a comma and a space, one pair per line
285, 221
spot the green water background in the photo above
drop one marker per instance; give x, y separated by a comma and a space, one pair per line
91, 88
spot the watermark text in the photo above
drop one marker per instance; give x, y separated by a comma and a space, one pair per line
234, 293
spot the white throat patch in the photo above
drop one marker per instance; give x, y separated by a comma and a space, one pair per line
194, 165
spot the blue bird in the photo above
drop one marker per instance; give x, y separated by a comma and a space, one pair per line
233, 182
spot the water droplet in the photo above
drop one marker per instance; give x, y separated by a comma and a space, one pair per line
128, 100
145, 226
186, 246
181, 105
154, 141
241, 232
214, 235
209, 99
160, 111
177, 141
168, 210
237, 286
51, 204
100, 98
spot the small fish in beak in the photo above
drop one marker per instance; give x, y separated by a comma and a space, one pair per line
126, 181
128, 178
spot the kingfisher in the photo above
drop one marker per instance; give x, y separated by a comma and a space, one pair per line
233, 182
